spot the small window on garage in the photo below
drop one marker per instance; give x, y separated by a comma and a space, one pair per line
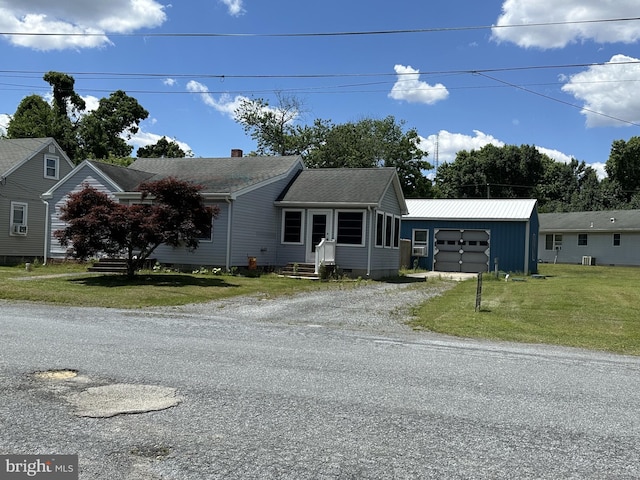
582, 239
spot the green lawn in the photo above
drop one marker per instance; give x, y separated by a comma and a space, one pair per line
70, 284
588, 307
580, 306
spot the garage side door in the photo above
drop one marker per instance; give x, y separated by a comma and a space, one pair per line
461, 250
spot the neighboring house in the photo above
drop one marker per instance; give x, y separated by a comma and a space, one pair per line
604, 238
271, 210
473, 235
28, 167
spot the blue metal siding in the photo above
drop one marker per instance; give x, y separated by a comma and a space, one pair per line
507, 241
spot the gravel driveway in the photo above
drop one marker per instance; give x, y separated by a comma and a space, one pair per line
374, 307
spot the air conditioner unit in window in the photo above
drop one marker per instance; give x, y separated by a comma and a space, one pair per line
20, 229
419, 251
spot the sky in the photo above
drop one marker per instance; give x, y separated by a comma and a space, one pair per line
560, 75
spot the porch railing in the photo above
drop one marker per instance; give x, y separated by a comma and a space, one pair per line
325, 253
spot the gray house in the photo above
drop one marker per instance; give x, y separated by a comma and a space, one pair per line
28, 167
272, 211
609, 237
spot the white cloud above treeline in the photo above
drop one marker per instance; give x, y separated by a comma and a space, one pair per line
608, 92
410, 88
82, 24
521, 12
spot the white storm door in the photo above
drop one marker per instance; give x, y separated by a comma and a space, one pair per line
319, 226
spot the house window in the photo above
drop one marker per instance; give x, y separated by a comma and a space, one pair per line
582, 239
379, 229
388, 233
553, 242
51, 167
396, 236
18, 218
616, 239
350, 228
292, 227
208, 235
420, 242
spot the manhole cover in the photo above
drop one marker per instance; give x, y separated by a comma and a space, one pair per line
121, 398
56, 374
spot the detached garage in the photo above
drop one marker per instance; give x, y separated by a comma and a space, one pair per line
472, 235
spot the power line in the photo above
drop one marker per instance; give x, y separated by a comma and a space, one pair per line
323, 34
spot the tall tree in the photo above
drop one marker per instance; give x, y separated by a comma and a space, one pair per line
101, 131
176, 216
34, 118
163, 148
623, 166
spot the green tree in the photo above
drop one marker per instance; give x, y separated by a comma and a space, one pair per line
100, 132
623, 166
492, 172
177, 216
163, 148
34, 118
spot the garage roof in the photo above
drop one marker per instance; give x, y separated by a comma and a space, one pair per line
470, 209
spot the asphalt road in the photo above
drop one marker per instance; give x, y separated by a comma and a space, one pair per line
273, 397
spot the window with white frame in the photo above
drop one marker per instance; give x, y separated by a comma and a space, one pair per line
207, 235
582, 239
396, 232
420, 241
388, 231
18, 222
350, 228
379, 229
51, 165
553, 241
292, 226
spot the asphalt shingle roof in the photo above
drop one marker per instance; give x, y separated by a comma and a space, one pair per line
126, 178
218, 175
16, 150
339, 186
604, 221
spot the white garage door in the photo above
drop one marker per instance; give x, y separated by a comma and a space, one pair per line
461, 251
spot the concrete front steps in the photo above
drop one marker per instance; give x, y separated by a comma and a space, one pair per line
300, 270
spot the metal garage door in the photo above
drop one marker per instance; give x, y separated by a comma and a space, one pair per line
461, 251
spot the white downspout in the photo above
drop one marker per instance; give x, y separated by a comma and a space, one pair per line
228, 255
369, 247
47, 235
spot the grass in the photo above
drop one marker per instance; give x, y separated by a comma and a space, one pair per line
69, 284
586, 307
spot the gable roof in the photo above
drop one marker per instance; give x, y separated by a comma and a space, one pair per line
364, 187
125, 178
220, 175
16, 151
584, 222
470, 209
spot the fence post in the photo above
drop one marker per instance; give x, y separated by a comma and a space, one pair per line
479, 292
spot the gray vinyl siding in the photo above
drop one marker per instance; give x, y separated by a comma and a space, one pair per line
599, 246
75, 183
25, 185
209, 253
386, 259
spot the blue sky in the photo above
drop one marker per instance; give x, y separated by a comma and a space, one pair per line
569, 88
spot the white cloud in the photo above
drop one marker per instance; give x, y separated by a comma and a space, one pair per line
408, 87
144, 139
518, 12
557, 155
170, 82
226, 104
449, 144
75, 19
4, 123
609, 92
234, 7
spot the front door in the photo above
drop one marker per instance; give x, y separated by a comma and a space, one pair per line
319, 226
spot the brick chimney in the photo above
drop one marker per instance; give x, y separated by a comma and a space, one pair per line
236, 152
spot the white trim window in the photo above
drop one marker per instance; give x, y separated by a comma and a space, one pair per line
18, 222
379, 229
420, 242
616, 239
583, 239
388, 231
350, 228
51, 167
292, 221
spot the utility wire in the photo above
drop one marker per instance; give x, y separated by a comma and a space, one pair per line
325, 34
